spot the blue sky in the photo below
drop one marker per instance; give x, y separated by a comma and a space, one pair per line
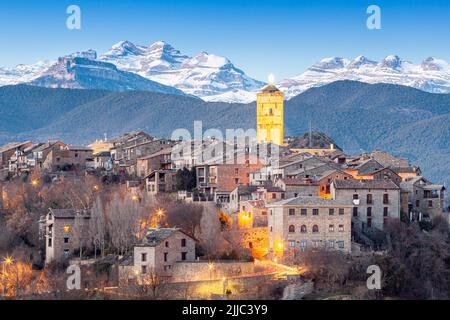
282, 37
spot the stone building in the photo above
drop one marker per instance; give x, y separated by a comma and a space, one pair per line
295, 187
160, 249
221, 180
159, 181
67, 158
425, 199
155, 161
309, 222
374, 201
65, 231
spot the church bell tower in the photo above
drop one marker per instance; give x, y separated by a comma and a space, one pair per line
270, 115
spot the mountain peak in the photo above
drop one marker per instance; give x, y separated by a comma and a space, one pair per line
124, 48
392, 62
360, 61
331, 63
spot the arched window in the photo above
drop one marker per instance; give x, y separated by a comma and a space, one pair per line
291, 229
303, 229
315, 228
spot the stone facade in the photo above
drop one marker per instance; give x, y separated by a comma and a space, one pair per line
65, 230
205, 270
424, 197
73, 156
306, 222
374, 202
295, 187
160, 250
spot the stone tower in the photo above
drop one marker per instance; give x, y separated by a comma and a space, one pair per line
270, 115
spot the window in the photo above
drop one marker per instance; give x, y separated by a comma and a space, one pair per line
183, 256
295, 195
143, 257
331, 228
167, 244
385, 211
66, 253
66, 240
340, 244
274, 195
304, 212
264, 213
165, 256
183, 242
369, 222
292, 212
355, 211
417, 203
355, 197
236, 180
315, 228
303, 244
282, 195
291, 229
341, 228
303, 229
270, 228
315, 212
430, 203
369, 199
341, 211
385, 198
143, 269
331, 212
243, 208
49, 242
66, 228
369, 211
236, 171
291, 244
331, 244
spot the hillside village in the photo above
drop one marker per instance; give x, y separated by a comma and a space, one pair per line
156, 214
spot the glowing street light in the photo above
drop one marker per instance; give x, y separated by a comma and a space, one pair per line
34, 182
135, 198
8, 260
160, 213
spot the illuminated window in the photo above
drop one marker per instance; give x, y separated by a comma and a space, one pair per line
66, 228
315, 228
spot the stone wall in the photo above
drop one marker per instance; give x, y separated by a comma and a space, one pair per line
201, 271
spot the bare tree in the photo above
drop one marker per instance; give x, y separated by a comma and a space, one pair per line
97, 227
124, 223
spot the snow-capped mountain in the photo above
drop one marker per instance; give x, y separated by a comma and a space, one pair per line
81, 70
160, 67
23, 73
210, 77
432, 75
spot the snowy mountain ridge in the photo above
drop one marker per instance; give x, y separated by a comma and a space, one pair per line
126, 66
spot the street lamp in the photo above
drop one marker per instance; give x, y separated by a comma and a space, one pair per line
8, 260
34, 182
